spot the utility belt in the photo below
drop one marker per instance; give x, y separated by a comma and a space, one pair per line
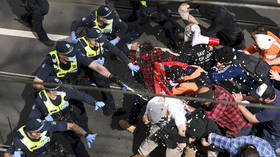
64, 115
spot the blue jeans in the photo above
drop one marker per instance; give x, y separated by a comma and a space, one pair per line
273, 140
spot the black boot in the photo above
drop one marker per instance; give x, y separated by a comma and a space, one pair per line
48, 42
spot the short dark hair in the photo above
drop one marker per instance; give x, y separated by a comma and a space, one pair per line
146, 46
269, 93
248, 150
260, 29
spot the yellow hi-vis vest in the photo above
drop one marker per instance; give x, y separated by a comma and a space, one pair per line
143, 2
107, 29
90, 52
50, 106
31, 145
60, 72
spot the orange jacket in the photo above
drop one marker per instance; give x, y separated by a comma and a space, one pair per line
183, 87
269, 54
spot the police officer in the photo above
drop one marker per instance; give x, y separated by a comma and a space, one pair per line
53, 104
64, 63
108, 23
35, 138
36, 10
94, 44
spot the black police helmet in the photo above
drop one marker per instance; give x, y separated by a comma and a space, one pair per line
94, 34
105, 12
65, 48
55, 83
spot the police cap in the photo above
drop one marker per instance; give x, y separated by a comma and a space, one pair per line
105, 12
54, 83
34, 125
94, 34
65, 48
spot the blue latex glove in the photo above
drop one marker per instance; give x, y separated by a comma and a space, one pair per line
74, 38
100, 60
124, 89
90, 138
17, 153
99, 104
48, 118
114, 41
133, 68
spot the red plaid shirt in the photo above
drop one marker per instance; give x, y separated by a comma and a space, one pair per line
146, 62
226, 115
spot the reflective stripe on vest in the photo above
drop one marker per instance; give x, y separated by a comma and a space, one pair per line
90, 52
61, 73
107, 29
32, 145
50, 106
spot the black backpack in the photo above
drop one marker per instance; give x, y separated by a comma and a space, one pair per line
255, 68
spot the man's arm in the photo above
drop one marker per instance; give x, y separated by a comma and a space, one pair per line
82, 22
81, 96
116, 51
248, 115
8, 155
275, 61
99, 68
78, 130
38, 86
121, 26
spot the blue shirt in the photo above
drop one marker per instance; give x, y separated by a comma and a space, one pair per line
271, 116
50, 127
232, 145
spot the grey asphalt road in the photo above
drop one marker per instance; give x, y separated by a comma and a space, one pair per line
24, 55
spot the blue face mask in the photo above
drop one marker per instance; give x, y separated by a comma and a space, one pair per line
59, 92
71, 59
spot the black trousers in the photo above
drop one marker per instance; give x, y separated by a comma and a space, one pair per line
39, 9
71, 143
103, 82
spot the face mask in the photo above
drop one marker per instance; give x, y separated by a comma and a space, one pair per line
43, 133
59, 92
71, 59
109, 21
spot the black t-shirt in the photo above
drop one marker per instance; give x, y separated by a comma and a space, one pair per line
197, 55
46, 69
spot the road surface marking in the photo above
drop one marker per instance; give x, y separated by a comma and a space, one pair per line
29, 34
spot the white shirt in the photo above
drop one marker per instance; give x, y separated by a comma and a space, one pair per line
175, 109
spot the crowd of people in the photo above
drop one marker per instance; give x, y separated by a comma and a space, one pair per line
213, 64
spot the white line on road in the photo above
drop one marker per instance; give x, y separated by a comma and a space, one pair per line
29, 34
56, 37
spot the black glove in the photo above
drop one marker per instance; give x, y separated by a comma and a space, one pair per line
116, 80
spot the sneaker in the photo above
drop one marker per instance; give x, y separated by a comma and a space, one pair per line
126, 126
